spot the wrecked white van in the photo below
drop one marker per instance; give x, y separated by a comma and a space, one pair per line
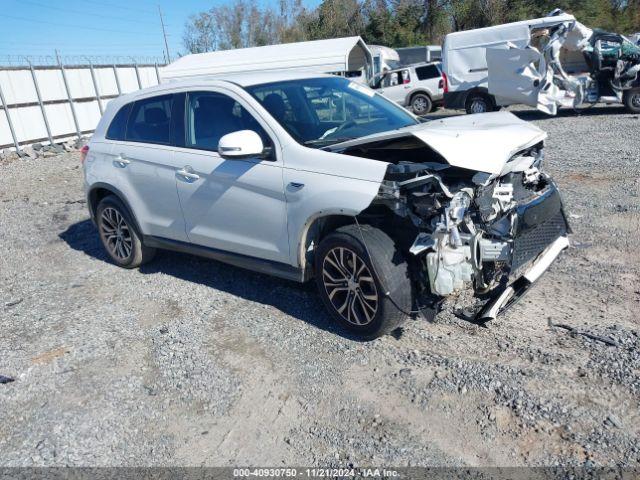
548, 63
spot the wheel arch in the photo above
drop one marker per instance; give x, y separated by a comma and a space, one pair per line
484, 91
100, 190
316, 228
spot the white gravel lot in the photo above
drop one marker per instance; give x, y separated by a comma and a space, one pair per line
192, 362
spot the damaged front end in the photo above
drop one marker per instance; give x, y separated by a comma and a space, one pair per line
479, 233
469, 231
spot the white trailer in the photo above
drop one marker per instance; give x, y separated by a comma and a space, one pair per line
347, 56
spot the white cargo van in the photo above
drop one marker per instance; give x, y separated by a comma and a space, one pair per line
548, 63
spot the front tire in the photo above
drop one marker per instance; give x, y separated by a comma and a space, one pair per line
421, 104
631, 100
367, 290
119, 235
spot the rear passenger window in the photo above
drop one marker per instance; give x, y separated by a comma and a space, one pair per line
150, 120
118, 126
427, 72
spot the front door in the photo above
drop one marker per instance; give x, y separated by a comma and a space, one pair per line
396, 85
232, 205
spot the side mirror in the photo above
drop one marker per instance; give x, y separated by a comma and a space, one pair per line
241, 144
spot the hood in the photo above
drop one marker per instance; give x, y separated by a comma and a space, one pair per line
482, 142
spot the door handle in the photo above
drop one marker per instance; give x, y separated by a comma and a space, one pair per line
296, 185
121, 161
187, 175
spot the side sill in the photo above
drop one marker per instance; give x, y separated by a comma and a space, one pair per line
268, 267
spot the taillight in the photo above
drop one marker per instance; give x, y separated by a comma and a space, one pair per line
83, 153
445, 82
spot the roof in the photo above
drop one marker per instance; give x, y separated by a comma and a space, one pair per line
499, 33
320, 56
246, 79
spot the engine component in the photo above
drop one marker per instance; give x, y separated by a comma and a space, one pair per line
449, 268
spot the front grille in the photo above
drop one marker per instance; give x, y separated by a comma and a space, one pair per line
533, 241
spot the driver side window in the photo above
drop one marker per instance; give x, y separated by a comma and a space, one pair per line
212, 115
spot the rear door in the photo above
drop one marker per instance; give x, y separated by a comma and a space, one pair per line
232, 205
144, 163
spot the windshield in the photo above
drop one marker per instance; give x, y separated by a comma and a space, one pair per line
322, 111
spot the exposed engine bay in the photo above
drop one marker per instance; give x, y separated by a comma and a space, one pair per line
463, 229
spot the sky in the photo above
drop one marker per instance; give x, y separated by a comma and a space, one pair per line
94, 27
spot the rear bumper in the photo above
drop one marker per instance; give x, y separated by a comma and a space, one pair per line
506, 297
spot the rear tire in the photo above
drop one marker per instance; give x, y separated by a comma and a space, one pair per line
478, 103
631, 100
119, 235
421, 104
367, 290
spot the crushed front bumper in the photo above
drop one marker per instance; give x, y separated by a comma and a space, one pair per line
507, 296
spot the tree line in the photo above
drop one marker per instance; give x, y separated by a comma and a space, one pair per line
394, 23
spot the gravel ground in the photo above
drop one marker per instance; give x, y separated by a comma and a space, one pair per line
191, 362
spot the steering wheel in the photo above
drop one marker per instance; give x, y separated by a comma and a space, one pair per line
344, 126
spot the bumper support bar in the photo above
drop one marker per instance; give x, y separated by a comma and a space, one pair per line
506, 297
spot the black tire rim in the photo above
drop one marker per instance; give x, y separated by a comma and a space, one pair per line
116, 233
478, 105
635, 100
350, 286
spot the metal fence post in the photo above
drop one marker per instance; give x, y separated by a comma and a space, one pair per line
42, 109
71, 104
155, 65
135, 65
115, 74
6, 111
95, 87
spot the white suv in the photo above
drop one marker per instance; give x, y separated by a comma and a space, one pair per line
419, 87
304, 176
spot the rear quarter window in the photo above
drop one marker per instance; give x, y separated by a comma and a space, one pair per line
118, 126
427, 72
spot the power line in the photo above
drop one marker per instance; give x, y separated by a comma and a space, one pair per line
81, 12
112, 5
2, 15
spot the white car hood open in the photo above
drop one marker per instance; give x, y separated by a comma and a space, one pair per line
482, 142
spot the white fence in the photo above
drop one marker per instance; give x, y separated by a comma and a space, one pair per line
50, 104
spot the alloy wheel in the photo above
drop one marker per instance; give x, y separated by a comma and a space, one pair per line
350, 286
116, 234
635, 100
420, 104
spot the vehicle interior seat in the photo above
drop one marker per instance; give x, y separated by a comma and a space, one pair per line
212, 119
155, 126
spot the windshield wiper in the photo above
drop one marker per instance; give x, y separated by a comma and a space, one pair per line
327, 141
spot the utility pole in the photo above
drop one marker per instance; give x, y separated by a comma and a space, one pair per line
164, 34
